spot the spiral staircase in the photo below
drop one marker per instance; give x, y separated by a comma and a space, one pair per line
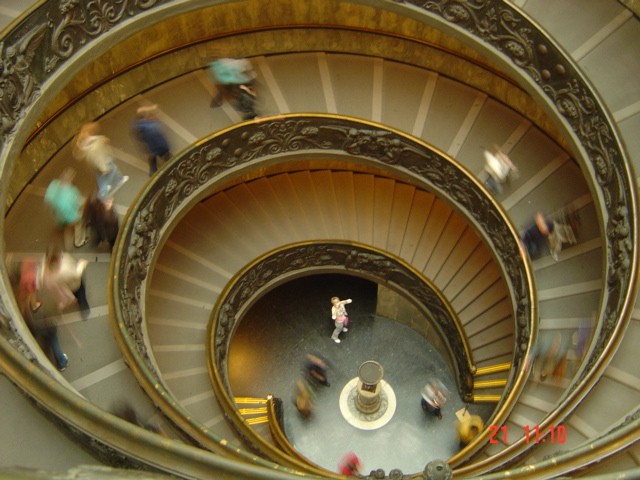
337, 199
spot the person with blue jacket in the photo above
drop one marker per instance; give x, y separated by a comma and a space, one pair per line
150, 132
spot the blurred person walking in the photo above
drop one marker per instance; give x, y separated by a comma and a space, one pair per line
234, 79
303, 399
101, 217
67, 204
150, 132
315, 369
498, 168
350, 465
434, 396
536, 236
95, 149
63, 277
468, 428
44, 330
46, 333
25, 277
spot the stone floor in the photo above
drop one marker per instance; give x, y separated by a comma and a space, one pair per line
268, 352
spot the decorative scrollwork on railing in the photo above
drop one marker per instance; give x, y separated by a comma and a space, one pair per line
57, 31
52, 34
41, 44
197, 171
351, 259
75, 23
498, 26
15, 339
230, 154
503, 28
18, 86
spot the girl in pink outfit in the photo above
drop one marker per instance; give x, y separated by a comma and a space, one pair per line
340, 316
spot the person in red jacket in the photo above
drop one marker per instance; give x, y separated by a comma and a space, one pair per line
350, 464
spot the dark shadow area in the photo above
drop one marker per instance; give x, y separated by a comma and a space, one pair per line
291, 321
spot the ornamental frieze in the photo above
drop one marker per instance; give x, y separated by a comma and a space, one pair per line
75, 23
53, 33
502, 28
350, 259
18, 87
196, 172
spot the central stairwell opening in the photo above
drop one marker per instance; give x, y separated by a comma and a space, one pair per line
268, 354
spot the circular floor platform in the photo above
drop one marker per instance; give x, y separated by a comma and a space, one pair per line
367, 421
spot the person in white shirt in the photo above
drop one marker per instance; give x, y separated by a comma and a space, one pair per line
340, 316
63, 278
498, 168
96, 150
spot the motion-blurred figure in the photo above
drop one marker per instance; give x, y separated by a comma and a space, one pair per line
548, 233
566, 226
499, 169
551, 353
63, 277
96, 151
66, 203
434, 396
29, 282
315, 369
350, 465
46, 333
468, 428
303, 399
536, 236
234, 78
101, 217
150, 132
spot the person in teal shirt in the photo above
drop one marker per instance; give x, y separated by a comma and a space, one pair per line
64, 199
234, 79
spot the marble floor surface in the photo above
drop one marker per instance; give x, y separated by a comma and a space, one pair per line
268, 352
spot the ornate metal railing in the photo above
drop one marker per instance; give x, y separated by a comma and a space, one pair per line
45, 49
228, 155
293, 261
557, 81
